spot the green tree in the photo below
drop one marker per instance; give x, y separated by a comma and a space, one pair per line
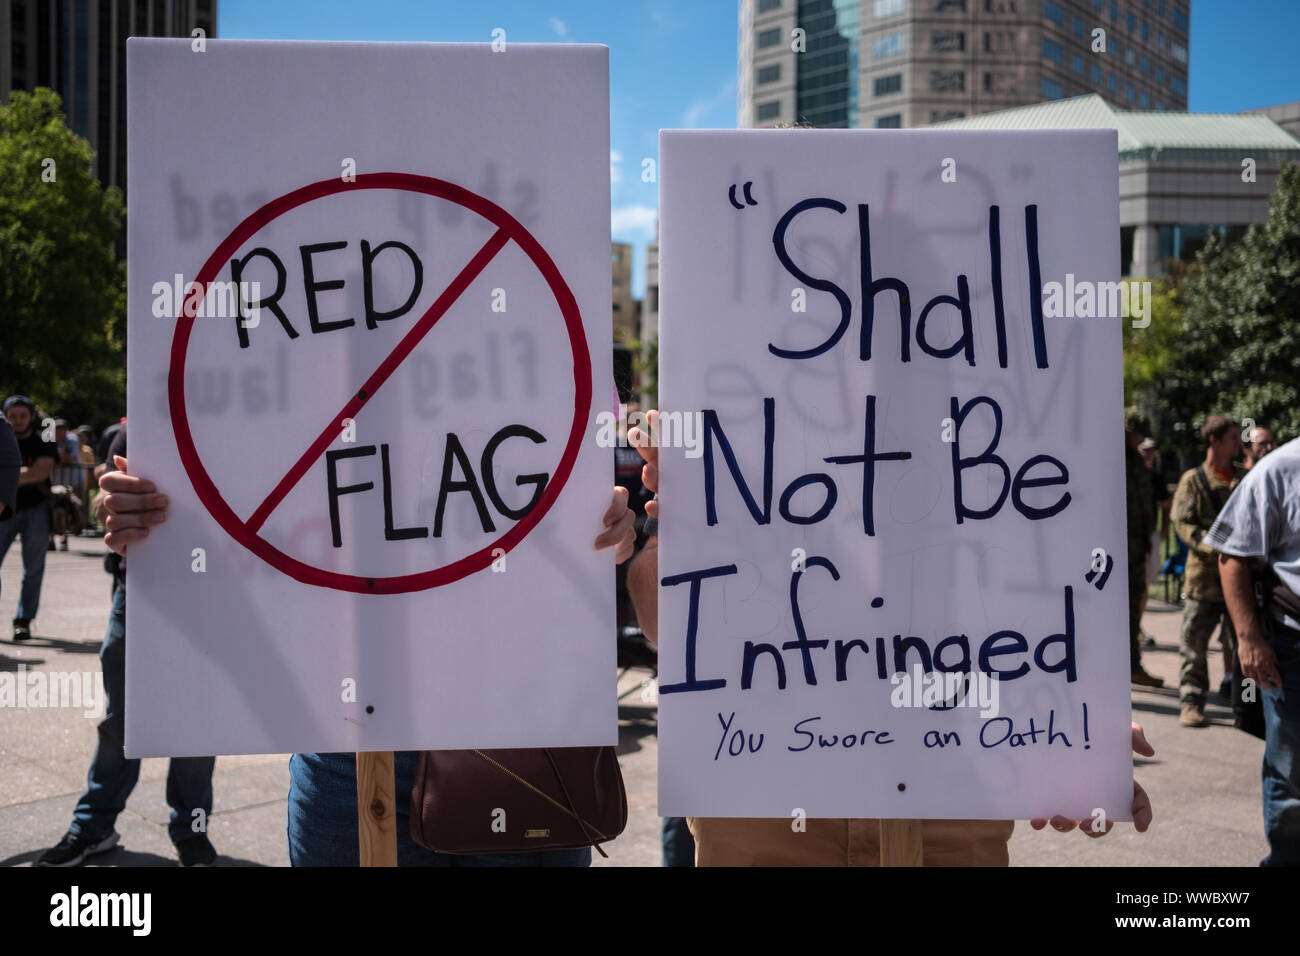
62, 289
1236, 351
648, 366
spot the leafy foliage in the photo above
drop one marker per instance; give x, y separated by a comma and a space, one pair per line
1224, 334
62, 289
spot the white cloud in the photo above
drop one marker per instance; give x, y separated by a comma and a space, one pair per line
625, 220
701, 108
615, 166
558, 26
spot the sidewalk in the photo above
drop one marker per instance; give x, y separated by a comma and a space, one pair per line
1204, 783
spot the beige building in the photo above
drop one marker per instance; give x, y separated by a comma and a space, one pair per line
907, 63
1181, 175
626, 308
78, 49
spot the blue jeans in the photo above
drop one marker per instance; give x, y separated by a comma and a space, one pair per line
112, 777
679, 845
1281, 773
34, 525
323, 819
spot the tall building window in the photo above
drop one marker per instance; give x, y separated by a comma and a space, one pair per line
947, 81
1128, 92
892, 121
1178, 85
1052, 11
1001, 41
1129, 56
943, 6
827, 74
1078, 26
1111, 83
890, 45
1143, 100
1178, 52
1053, 51
1145, 66
1180, 19
769, 74
1160, 40
767, 111
766, 5
767, 38
1160, 75
1160, 7
1096, 74
1078, 64
886, 8
1002, 83
889, 84
1160, 105
1132, 22
940, 116
947, 41
1052, 90
1146, 31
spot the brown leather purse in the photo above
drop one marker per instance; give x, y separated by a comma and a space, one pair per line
517, 801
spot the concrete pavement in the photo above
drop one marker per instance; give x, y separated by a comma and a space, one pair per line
1204, 784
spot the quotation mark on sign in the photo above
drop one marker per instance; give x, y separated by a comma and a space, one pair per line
1101, 565
749, 199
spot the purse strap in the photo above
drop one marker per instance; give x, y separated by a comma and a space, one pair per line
582, 824
571, 809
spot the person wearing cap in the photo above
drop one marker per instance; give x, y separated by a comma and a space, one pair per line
31, 517
1202, 493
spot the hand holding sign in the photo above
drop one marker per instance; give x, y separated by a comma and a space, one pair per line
128, 506
1141, 802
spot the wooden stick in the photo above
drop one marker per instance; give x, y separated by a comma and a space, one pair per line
900, 843
376, 810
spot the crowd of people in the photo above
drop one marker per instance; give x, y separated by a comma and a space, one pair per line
56, 479
1239, 522
1235, 518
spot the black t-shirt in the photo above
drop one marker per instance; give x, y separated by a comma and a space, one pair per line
31, 448
102, 449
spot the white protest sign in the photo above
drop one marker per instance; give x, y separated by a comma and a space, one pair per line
903, 460
377, 431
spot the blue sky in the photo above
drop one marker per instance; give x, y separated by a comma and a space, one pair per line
673, 62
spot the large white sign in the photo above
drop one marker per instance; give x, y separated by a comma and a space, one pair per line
377, 429
893, 577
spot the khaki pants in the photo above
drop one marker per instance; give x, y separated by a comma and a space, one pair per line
1200, 618
727, 841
